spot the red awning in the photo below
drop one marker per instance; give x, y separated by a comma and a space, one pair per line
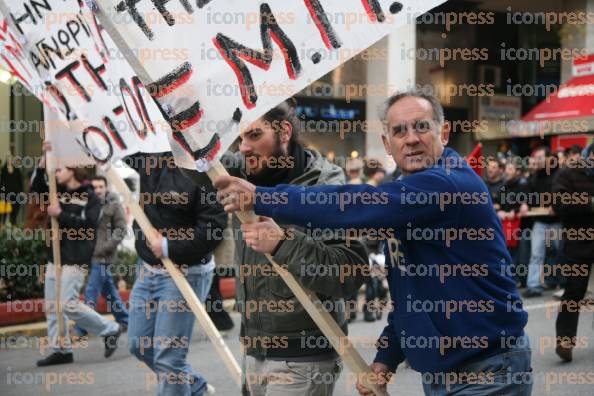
568, 110
574, 99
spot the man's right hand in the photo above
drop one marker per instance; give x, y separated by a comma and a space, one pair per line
382, 379
235, 194
45, 147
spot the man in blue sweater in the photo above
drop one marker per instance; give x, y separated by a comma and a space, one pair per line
457, 317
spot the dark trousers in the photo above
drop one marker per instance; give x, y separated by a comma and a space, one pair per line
575, 290
520, 258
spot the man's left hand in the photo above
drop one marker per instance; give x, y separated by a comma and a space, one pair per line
235, 194
263, 236
156, 245
54, 210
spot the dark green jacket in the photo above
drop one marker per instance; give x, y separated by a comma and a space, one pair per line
280, 327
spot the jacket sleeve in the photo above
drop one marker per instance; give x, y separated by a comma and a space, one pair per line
563, 184
388, 346
210, 220
392, 205
118, 230
88, 218
347, 264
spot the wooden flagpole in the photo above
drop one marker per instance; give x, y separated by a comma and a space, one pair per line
55, 227
179, 279
56, 250
53, 196
307, 298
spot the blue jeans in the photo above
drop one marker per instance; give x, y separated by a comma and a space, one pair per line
540, 232
101, 281
505, 374
160, 328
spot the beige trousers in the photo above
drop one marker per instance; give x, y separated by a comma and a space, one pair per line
285, 378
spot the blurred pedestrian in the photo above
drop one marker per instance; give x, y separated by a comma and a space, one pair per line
110, 233
576, 216
375, 293
495, 180
374, 173
77, 214
573, 154
513, 194
354, 167
541, 184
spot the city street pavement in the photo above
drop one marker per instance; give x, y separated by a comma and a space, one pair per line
122, 374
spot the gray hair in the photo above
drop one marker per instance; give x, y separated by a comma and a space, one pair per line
438, 114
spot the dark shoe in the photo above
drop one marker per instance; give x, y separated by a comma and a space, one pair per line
111, 342
529, 293
559, 294
564, 353
56, 358
221, 320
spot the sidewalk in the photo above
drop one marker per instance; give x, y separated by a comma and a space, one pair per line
36, 329
39, 329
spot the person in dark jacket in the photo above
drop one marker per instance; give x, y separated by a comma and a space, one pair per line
541, 186
77, 214
444, 221
11, 182
110, 233
513, 194
495, 180
160, 323
577, 219
286, 343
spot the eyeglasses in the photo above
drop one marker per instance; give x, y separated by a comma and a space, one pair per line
419, 127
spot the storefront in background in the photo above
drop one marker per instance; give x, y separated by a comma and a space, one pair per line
21, 116
334, 127
566, 117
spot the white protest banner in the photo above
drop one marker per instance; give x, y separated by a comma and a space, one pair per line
12, 57
61, 54
66, 150
213, 64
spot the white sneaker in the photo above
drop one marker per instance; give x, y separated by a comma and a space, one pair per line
558, 294
210, 390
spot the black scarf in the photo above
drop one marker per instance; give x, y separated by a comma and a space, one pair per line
270, 177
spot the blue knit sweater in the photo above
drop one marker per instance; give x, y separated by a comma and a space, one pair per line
453, 297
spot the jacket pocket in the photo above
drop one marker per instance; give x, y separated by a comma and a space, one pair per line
278, 288
284, 313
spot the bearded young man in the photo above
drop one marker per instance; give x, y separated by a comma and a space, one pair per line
457, 317
287, 354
